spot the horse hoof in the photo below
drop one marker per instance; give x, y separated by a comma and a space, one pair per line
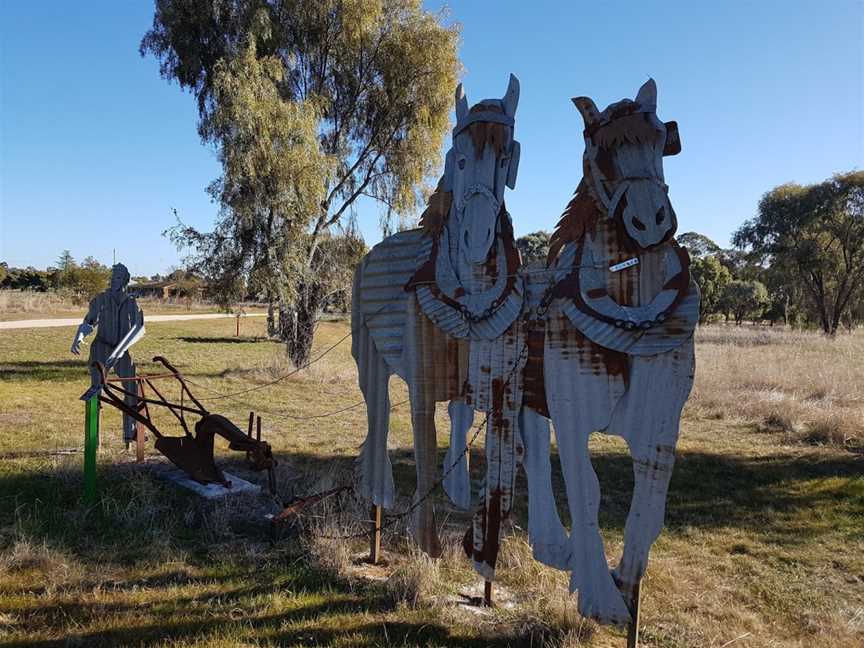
555, 556
608, 612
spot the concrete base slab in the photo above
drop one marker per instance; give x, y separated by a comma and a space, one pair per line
208, 491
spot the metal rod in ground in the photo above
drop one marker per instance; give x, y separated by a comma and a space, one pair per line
487, 593
633, 626
91, 442
139, 434
375, 536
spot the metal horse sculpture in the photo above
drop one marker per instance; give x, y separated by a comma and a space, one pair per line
439, 307
615, 348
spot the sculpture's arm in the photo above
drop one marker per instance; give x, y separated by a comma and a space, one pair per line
91, 319
135, 333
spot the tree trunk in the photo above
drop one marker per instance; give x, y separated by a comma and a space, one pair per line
300, 323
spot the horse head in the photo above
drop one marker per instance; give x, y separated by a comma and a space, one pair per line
624, 149
483, 159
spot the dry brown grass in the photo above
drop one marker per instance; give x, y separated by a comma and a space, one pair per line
802, 384
28, 304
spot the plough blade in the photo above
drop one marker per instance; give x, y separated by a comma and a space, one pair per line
194, 457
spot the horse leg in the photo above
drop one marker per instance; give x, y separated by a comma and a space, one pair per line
651, 433
502, 439
457, 481
376, 471
425, 451
599, 597
652, 470
547, 535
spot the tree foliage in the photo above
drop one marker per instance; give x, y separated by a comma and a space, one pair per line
79, 281
744, 299
534, 246
817, 232
698, 246
311, 105
712, 278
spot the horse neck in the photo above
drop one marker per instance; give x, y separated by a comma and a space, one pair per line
634, 286
474, 278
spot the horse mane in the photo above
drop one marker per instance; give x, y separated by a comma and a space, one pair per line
488, 133
579, 218
437, 210
627, 129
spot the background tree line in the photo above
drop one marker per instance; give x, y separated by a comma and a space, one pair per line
799, 261
79, 280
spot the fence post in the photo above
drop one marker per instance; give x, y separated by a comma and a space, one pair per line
139, 430
633, 626
91, 442
375, 537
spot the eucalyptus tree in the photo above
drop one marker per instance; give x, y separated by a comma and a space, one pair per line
311, 105
817, 231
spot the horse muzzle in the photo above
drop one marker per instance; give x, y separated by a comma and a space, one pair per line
645, 211
479, 215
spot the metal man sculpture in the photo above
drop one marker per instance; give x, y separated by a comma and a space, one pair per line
439, 306
120, 324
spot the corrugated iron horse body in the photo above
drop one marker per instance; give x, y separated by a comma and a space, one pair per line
439, 306
616, 349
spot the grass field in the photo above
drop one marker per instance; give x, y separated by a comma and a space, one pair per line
763, 545
24, 304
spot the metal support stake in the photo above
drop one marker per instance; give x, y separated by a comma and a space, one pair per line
633, 626
91, 442
375, 537
139, 433
487, 593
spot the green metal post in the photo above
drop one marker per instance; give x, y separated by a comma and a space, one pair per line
91, 442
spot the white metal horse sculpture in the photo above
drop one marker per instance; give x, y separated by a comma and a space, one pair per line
615, 349
439, 307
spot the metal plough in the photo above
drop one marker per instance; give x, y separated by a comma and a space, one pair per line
191, 453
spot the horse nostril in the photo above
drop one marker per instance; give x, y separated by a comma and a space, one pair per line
488, 232
638, 224
661, 214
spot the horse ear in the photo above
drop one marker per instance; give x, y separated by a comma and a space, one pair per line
672, 145
447, 179
587, 108
513, 168
647, 95
461, 103
511, 98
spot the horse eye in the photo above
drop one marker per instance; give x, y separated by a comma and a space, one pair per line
661, 214
461, 165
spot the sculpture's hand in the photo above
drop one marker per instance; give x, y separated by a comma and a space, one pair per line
83, 331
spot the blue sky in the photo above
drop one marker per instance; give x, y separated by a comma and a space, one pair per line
96, 149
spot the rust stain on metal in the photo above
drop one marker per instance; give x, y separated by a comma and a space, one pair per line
534, 389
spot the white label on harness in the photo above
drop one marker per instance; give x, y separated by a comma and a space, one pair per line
624, 264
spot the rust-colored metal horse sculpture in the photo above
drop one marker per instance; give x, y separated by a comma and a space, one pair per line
614, 352
439, 307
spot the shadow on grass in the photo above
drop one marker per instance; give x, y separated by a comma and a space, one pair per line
58, 370
243, 339
773, 496
142, 521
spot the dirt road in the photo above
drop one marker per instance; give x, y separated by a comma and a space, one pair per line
48, 323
